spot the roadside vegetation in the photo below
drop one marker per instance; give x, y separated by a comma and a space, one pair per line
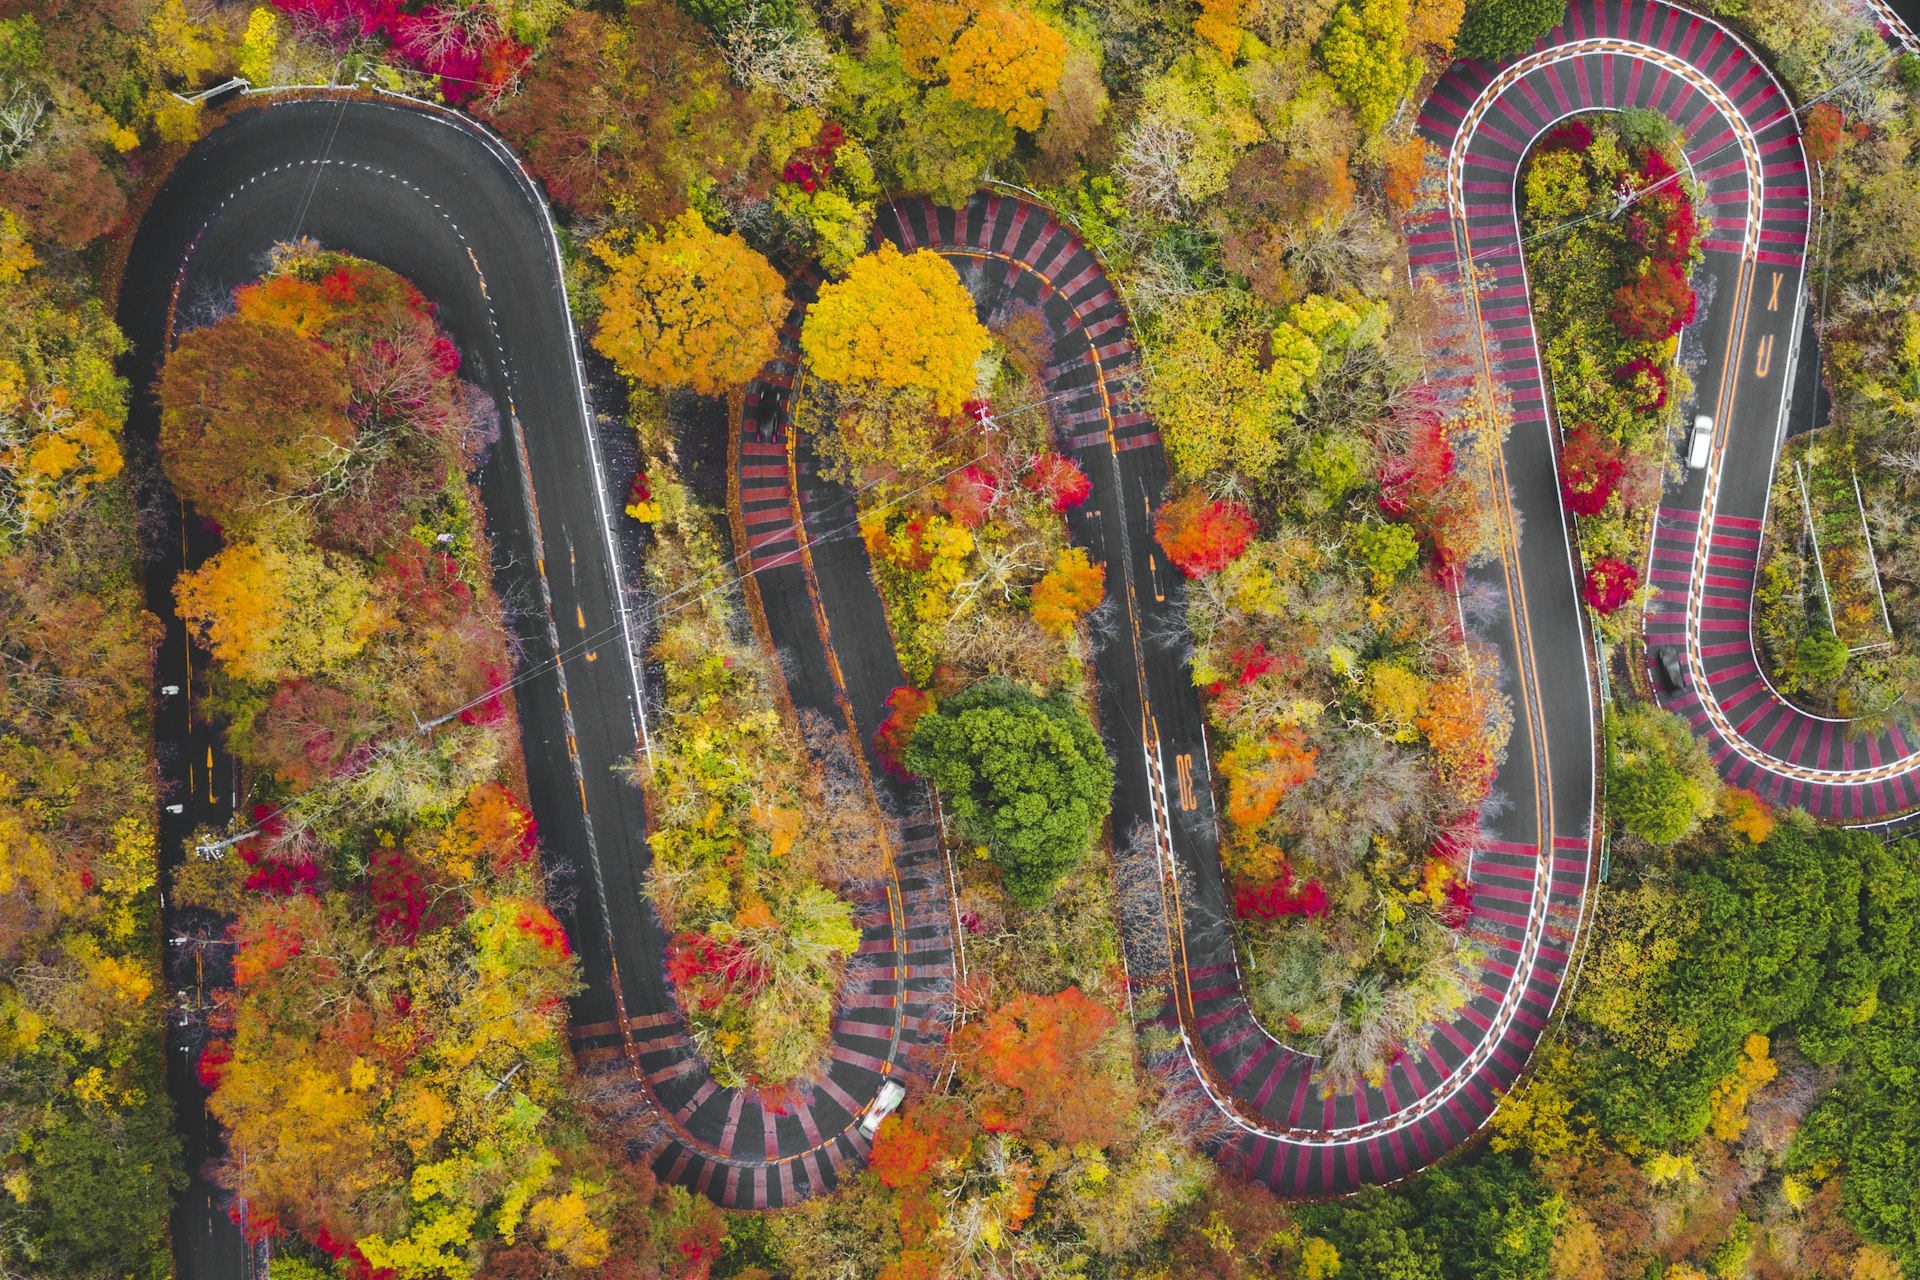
1732, 1092
1611, 295
1837, 609
390, 1061
761, 821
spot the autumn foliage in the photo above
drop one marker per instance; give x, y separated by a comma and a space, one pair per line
999, 57
898, 321
1823, 131
250, 410
1063, 484
628, 115
1610, 584
1655, 303
340, 622
1072, 587
1590, 469
905, 706
1032, 1056
1260, 772
692, 308
1201, 535
1658, 300
1280, 897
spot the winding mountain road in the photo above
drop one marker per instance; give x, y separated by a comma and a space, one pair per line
439, 200
434, 197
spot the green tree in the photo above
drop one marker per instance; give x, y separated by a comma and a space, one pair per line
1378, 1234
1493, 1218
1818, 659
1660, 783
1386, 549
1870, 1123
1027, 779
1361, 49
1496, 29
1803, 935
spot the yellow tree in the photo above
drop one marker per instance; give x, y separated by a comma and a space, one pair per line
1008, 61
1361, 49
897, 322
272, 611
1069, 589
693, 308
993, 56
51, 453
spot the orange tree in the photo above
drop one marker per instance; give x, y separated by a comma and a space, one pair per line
1068, 590
994, 56
1201, 535
692, 308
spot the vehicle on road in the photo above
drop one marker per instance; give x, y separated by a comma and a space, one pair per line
1671, 667
1702, 441
885, 1103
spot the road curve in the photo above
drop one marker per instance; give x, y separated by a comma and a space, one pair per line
438, 200
441, 201
1284, 1125
1743, 144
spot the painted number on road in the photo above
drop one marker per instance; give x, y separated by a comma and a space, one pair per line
1763, 357
1183, 766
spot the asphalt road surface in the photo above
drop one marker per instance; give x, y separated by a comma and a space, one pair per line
444, 205
436, 200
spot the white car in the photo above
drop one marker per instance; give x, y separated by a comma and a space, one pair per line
885, 1103
1702, 441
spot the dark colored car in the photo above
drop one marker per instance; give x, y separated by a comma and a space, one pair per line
1671, 667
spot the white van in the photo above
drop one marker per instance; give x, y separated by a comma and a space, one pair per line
1702, 441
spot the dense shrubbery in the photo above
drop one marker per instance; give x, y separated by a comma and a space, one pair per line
758, 820
1738, 967
1610, 296
397, 1009
1495, 29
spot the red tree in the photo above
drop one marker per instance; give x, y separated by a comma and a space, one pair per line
1202, 536
1574, 135
1280, 896
1654, 305
905, 706
1826, 127
1610, 584
1590, 469
1058, 480
970, 495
